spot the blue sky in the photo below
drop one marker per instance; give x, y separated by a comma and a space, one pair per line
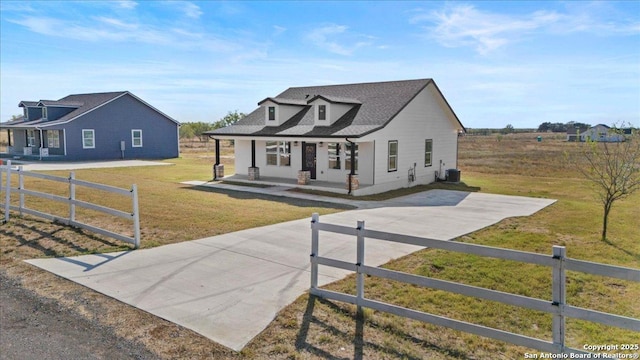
497, 63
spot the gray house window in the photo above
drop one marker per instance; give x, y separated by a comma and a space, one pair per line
428, 152
272, 112
44, 113
393, 156
322, 112
31, 138
88, 139
53, 139
136, 138
25, 113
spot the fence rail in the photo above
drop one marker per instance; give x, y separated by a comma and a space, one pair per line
8, 170
556, 306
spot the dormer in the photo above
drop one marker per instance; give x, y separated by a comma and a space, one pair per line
328, 109
277, 110
30, 110
52, 109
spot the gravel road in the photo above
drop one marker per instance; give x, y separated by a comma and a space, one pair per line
32, 327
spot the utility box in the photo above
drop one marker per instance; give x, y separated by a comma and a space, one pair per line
453, 175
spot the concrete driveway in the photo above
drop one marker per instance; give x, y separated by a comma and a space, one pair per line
230, 287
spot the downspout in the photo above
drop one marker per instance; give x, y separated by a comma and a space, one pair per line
215, 172
353, 160
41, 144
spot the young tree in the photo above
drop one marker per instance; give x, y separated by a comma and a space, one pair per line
614, 168
229, 119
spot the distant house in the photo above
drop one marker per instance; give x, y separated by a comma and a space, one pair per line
97, 126
360, 138
602, 133
573, 133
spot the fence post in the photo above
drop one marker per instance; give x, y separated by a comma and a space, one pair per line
7, 194
559, 294
359, 264
315, 237
136, 216
20, 188
72, 197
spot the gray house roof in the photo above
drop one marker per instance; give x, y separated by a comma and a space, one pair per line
374, 106
83, 103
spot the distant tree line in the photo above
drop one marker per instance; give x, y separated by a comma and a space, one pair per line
190, 130
560, 127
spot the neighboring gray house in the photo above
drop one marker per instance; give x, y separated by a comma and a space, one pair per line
98, 126
357, 138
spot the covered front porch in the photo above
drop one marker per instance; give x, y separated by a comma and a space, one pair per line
32, 144
316, 185
333, 165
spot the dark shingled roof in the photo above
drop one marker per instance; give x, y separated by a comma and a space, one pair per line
375, 104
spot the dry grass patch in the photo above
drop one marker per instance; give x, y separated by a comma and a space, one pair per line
313, 328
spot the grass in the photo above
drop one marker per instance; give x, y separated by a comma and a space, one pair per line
315, 328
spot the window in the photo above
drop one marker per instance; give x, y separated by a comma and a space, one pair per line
284, 149
31, 138
136, 138
393, 156
25, 113
322, 112
44, 113
347, 157
278, 153
428, 152
272, 112
88, 139
334, 155
53, 139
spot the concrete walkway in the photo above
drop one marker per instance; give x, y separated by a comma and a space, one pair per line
46, 166
230, 287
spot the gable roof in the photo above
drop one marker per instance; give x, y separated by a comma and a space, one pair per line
375, 105
83, 104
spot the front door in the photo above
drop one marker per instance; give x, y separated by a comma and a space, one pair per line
309, 158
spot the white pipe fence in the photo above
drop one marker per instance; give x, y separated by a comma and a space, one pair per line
557, 306
8, 170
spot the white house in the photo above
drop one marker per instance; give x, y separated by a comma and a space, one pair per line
356, 138
602, 133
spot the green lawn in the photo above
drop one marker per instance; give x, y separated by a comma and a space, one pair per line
313, 328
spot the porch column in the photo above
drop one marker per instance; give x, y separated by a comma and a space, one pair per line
254, 172
218, 169
352, 179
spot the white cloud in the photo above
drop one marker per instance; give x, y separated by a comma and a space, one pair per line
327, 37
277, 30
464, 25
192, 10
127, 4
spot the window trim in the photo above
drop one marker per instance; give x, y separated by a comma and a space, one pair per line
338, 156
31, 138
322, 112
283, 150
389, 156
133, 138
44, 113
93, 139
428, 141
53, 139
269, 113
